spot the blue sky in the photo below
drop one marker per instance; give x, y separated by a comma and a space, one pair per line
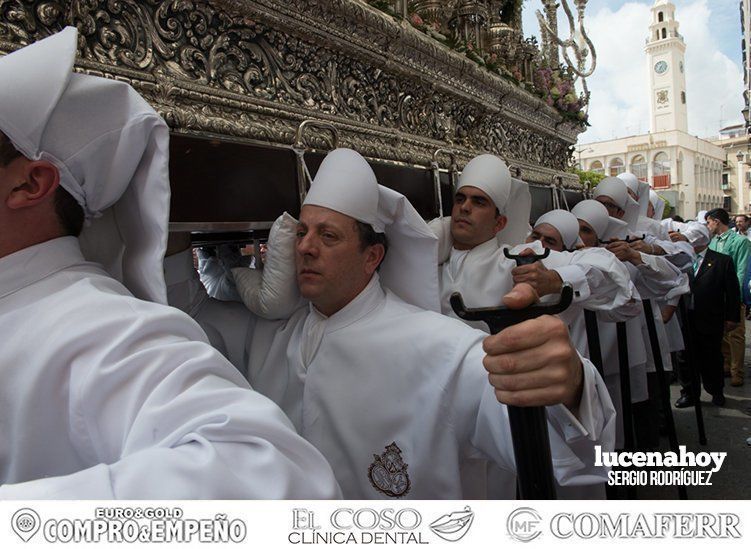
619, 105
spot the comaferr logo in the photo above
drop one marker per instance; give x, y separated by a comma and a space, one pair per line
657, 525
524, 524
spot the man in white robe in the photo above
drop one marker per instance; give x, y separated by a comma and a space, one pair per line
596, 226
657, 240
558, 230
104, 395
490, 214
654, 275
396, 396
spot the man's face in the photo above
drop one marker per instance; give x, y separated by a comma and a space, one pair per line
473, 218
331, 267
587, 234
614, 210
713, 225
741, 223
548, 236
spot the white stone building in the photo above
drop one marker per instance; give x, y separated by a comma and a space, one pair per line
684, 169
736, 177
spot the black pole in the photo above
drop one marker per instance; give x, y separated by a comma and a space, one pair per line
625, 379
664, 390
593, 341
529, 425
691, 361
595, 355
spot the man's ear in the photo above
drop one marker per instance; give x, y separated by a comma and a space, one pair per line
500, 223
39, 181
375, 254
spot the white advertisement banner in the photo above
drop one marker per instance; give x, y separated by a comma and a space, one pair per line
475, 524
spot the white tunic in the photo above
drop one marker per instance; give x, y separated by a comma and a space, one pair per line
382, 372
483, 276
107, 396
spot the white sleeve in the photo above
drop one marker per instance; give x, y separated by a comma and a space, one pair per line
656, 276
166, 417
217, 280
620, 314
674, 295
600, 281
681, 254
572, 440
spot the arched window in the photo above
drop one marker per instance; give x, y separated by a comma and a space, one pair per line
661, 171
660, 17
639, 167
664, 33
596, 166
616, 167
683, 97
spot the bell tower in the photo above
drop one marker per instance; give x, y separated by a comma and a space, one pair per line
665, 62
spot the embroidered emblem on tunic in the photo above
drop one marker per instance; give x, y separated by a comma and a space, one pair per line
388, 472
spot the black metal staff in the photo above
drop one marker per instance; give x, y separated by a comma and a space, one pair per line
593, 341
526, 259
625, 379
625, 382
595, 355
529, 427
628, 240
691, 361
664, 391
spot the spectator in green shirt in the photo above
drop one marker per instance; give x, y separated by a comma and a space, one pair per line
737, 247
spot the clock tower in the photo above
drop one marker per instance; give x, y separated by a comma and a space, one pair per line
665, 62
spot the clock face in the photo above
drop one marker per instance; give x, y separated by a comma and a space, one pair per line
661, 67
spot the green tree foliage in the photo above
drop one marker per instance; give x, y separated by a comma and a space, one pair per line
589, 179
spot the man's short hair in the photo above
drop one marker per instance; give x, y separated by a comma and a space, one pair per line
369, 237
678, 218
69, 212
744, 216
8, 153
720, 215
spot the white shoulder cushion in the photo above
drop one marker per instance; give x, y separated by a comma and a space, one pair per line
271, 292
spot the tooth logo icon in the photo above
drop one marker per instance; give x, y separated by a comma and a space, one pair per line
454, 526
25, 523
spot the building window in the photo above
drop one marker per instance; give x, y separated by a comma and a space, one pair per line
596, 167
725, 181
616, 167
639, 167
660, 17
661, 171
683, 97
664, 33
